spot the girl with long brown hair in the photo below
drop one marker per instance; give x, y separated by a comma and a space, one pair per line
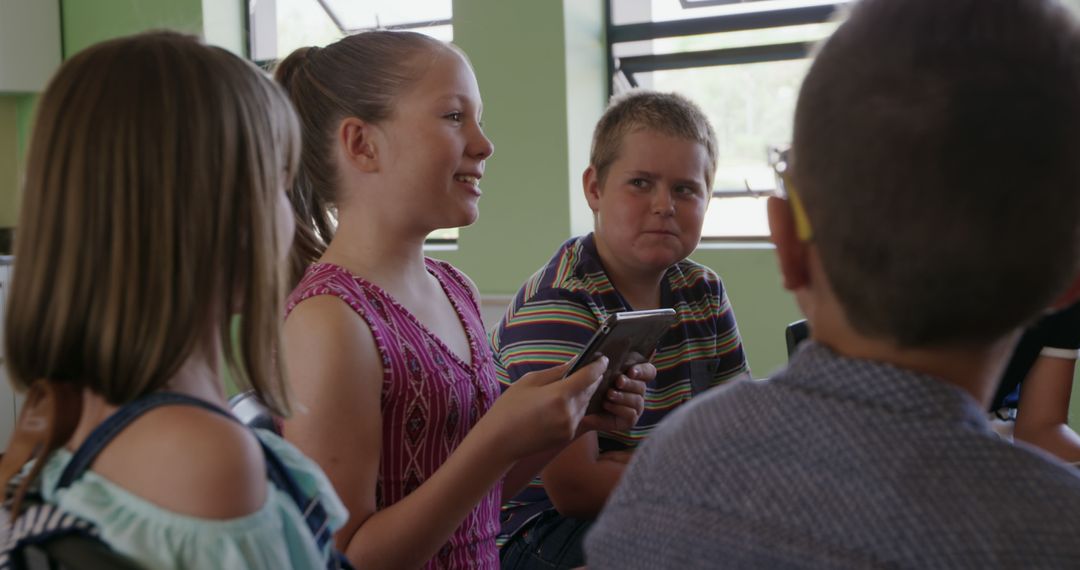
154, 210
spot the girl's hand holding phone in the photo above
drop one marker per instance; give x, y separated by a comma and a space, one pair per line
542, 410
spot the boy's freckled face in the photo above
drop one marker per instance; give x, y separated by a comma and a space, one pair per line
651, 207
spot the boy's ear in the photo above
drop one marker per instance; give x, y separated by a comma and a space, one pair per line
591, 183
356, 139
791, 252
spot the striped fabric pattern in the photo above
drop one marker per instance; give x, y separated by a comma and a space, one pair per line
38, 523
558, 309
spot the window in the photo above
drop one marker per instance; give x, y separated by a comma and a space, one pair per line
742, 61
277, 27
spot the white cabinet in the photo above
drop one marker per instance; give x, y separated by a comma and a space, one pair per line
29, 44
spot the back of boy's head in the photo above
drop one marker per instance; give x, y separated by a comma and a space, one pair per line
644, 110
361, 76
148, 220
937, 151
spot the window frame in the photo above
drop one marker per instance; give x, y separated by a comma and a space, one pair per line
624, 69
405, 26
264, 13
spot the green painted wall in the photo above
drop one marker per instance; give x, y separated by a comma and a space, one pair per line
16, 111
1074, 404
25, 107
86, 22
517, 51
90, 21
9, 160
762, 307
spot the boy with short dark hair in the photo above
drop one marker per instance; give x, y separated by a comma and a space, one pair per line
933, 211
648, 184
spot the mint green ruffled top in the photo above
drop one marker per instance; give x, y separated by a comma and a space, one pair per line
275, 536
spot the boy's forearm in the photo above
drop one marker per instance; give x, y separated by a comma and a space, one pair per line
579, 480
524, 471
1059, 440
1044, 408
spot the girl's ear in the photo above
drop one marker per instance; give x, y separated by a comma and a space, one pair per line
591, 184
356, 142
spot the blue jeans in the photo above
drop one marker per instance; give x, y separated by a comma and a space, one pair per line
550, 541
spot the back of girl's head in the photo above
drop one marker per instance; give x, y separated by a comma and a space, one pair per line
358, 76
148, 219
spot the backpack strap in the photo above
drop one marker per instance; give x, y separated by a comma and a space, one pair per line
45, 537
71, 552
310, 507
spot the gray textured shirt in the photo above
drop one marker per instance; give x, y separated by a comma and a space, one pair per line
838, 463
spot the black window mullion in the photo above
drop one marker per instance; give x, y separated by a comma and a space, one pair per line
716, 57
730, 23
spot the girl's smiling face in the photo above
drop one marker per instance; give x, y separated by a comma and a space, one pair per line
434, 147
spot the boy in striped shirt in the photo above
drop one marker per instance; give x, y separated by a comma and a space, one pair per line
648, 184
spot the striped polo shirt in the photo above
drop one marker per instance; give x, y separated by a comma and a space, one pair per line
558, 309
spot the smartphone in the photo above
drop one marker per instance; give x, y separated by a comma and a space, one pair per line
626, 338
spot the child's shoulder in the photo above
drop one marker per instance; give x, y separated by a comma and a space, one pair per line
567, 272
690, 267
322, 283
690, 274
575, 267
323, 279
188, 461
445, 271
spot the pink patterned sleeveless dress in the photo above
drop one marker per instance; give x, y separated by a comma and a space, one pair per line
430, 397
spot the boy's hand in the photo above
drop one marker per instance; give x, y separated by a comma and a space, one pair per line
624, 402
